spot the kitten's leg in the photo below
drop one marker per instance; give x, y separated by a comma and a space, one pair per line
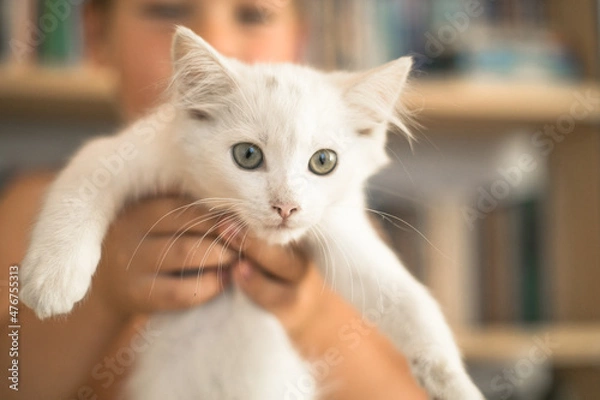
367, 273
66, 240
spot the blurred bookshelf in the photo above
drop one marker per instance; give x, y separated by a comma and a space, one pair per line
78, 93
488, 72
579, 345
89, 93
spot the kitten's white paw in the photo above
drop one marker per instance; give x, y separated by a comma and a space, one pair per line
459, 388
444, 382
55, 277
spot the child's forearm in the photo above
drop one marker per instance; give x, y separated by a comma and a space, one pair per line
352, 359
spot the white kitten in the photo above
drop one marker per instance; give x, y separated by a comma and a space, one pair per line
289, 149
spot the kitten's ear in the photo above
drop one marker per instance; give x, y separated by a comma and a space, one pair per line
202, 76
375, 94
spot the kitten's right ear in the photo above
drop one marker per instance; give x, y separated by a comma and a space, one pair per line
201, 76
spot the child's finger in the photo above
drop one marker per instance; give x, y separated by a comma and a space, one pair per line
287, 263
168, 255
262, 289
172, 214
162, 293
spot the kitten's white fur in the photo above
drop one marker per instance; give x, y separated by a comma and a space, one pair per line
229, 348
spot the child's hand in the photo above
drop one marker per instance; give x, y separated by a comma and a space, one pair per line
282, 280
135, 274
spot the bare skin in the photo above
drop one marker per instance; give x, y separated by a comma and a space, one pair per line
58, 357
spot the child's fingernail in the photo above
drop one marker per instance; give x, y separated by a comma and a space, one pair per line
225, 278
245, 270
224, 226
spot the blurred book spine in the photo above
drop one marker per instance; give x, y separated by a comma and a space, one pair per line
4, 29
451, 260
510, 262
45, 32
60, 23
499, 243
530, 259
22, 34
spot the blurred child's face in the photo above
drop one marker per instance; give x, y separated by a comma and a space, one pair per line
137, 37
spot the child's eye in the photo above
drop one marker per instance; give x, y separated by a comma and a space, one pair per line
253, 15
166, 11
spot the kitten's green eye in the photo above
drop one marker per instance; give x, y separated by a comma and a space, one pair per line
247, 155
323, 162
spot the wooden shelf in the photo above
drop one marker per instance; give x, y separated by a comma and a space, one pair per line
459, 99
89, 94
77, 93
569, 345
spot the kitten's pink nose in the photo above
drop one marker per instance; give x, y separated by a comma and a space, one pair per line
285, 210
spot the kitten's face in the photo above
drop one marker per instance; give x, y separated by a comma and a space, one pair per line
279, 145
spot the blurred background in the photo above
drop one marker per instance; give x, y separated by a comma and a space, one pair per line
496, 207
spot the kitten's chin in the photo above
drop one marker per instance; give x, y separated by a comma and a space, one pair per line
280, 236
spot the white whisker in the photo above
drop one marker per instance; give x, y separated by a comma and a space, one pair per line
225, 221
390, 218
324, 247
150, 230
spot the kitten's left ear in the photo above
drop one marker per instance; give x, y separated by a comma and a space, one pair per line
201, 76
375, 93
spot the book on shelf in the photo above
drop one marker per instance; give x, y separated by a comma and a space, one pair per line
4, 30
340, 34
60, 24
499, 242
511, 264
41, 32
530, 261
22, 36
451, 260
